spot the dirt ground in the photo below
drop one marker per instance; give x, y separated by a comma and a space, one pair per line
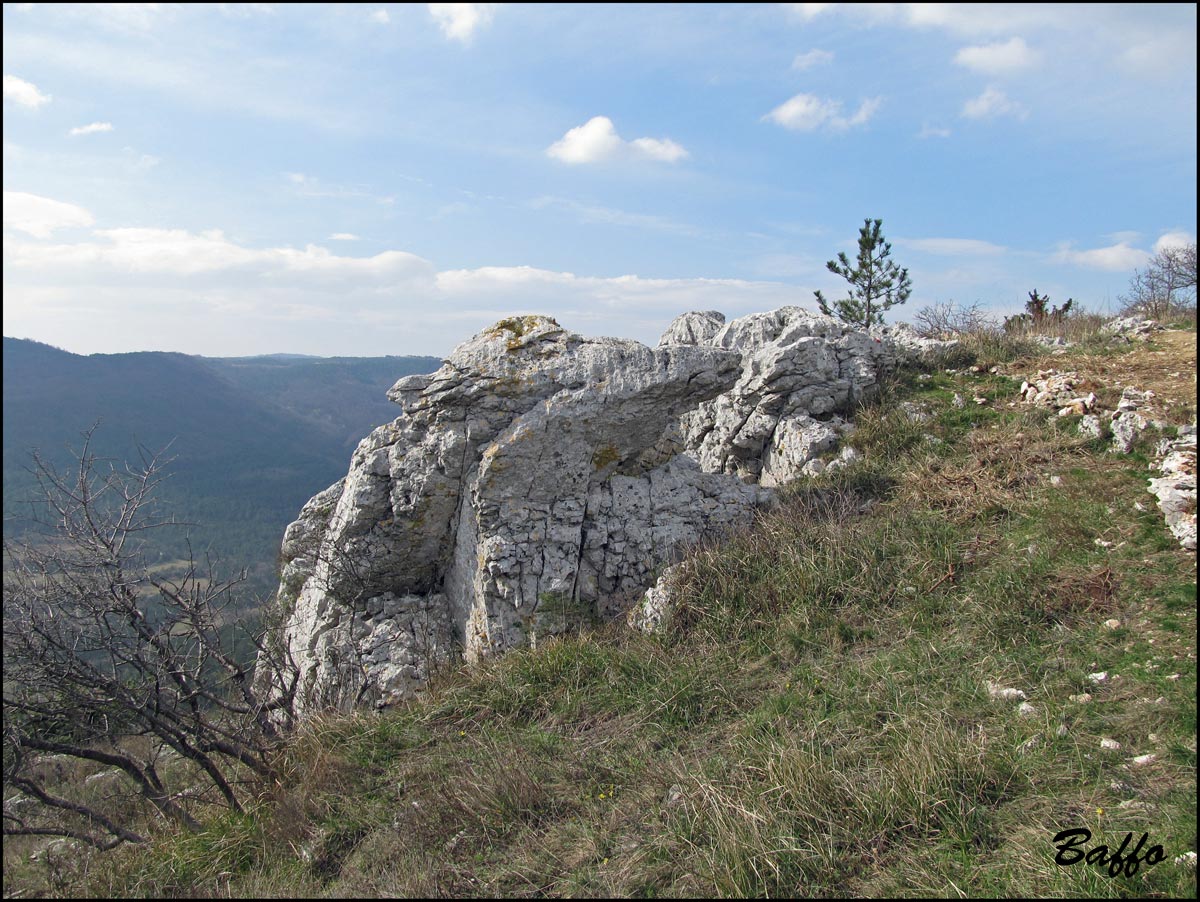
1166, 365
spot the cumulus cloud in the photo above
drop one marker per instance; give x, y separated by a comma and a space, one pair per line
381, 16
1001, 58
1172, 240
41, 216
1114, 258
91, 129
23, 93
808, 112
811, 59
343, 236
992, 103
597, 140
460, 21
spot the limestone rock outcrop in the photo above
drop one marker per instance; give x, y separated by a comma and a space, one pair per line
1176, 488
540, 480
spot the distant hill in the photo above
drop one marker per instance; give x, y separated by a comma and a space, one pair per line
252, 438
344, 397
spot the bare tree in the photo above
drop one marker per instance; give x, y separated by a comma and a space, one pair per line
947, 320
1166, 286
110, 663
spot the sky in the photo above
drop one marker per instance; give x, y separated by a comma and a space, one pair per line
234, 179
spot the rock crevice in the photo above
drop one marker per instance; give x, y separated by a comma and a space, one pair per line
540, 480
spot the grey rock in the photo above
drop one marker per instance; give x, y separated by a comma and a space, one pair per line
695, 328
540, 480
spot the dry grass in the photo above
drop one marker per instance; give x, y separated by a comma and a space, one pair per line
1166, 365
817, 721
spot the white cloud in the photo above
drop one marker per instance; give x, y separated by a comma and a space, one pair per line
91, 129
807, 112
597, 140
171, 289
460, 21
1001, 58
1115, 258
179, 253
663, 149
381, 16
958, 18
812, 58
343, 236
23, 92
952, 247
1169, 56
808, 11
40, 216
130, 16
608, 297
1174, 239
992, 103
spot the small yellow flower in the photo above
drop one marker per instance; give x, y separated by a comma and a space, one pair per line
600, 796
1100, 811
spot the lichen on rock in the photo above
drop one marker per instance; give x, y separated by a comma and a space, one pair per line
540, 473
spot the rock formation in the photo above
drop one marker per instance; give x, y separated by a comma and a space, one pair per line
540, 480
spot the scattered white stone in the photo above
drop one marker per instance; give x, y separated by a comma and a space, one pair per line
1090, 426
1130, 328
1187, 859
1101, 677
1082, 699
1133, 805
1004, 694
1026, 710
1103, 543
1172, 676
1110, 745
1112, 624
1141, 760
1056, 480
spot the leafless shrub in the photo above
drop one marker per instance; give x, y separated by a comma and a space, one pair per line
950, 320
111, 663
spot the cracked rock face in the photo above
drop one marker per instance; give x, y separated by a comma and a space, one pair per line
541, 480
800, 372
1176, 488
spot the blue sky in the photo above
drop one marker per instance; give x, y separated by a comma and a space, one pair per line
389, 179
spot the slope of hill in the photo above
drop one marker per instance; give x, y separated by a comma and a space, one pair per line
251, 438
907, 680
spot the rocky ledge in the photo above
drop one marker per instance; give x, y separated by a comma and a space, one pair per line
541, 480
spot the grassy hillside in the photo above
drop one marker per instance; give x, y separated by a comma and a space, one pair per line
817, 720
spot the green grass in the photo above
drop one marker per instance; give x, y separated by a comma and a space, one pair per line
816, 721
